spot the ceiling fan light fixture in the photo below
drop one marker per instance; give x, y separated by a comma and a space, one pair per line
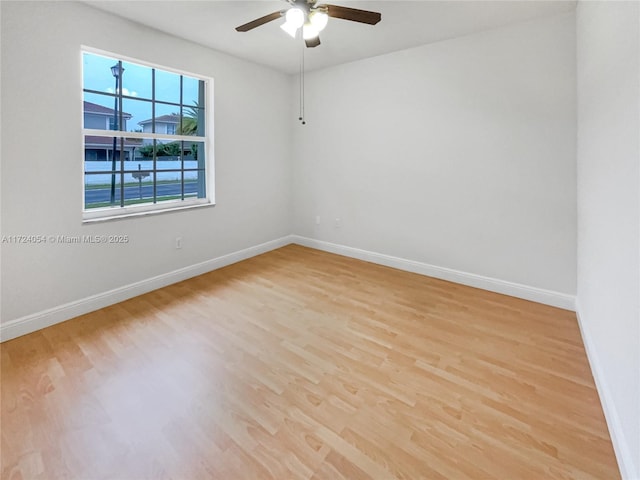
289, 28
318, 19
295, 17
309, 31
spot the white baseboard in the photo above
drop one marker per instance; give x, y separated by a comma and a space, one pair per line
46, 318
546, 297
628, 469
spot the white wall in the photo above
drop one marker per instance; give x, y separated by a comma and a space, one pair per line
608, 300
459, 154
42, 160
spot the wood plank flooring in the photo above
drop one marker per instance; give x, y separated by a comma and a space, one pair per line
305, 365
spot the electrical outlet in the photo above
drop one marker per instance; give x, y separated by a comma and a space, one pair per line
317, 219
338, 223
178, 243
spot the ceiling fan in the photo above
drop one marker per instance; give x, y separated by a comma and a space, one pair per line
312, 18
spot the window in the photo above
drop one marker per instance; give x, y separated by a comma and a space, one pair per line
146, 138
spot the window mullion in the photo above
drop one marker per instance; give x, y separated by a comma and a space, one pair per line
181, 141
119, 128
146, 135
153, 130
181, 108
202, 160
182, 169
122, 171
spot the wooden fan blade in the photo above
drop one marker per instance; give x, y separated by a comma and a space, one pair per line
312, 42
353, 14
259, 21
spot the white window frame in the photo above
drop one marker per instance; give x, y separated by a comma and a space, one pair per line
118, 212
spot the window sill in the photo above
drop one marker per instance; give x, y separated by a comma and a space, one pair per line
108, 217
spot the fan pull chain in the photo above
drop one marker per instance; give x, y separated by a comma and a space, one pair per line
301, 117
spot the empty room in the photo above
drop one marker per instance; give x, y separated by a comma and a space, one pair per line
288, 239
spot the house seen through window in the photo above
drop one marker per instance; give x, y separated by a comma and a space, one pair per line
145, 137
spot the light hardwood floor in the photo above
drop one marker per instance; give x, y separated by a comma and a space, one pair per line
302, 364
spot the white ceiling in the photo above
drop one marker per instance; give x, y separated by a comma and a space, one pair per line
404, 24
